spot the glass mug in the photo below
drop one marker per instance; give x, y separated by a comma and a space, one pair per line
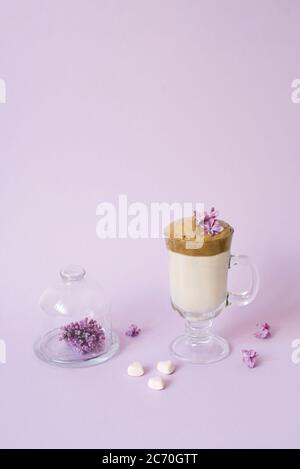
198, 269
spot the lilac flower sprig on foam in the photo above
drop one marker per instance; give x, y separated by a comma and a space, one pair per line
85, 336
263, 331
133, 331
249, 357
210, 223
212, 226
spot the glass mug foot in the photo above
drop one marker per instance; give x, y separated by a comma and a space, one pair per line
198, 345
213, 349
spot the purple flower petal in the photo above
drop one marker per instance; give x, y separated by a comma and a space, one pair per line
263, 331
210, 223
249, 357
133, 331
217, 228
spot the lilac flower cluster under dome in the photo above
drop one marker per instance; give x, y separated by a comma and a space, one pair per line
85, 336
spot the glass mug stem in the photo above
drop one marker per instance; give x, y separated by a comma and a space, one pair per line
198, 332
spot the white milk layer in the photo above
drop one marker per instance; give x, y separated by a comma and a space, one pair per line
198, 284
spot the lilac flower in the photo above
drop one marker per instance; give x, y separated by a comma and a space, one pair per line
133, 330
85, 336
213, 227
210, 223
212, 215
249, 357
263, 331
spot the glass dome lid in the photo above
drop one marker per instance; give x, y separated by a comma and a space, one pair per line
76, 327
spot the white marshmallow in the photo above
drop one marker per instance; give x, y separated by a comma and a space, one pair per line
135, 369
167, 367
156, 382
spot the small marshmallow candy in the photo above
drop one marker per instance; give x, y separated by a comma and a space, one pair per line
135, 369
156, 382
166, 367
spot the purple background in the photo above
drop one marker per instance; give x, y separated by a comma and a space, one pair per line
163, 100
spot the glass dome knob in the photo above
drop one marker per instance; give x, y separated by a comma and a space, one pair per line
72, 273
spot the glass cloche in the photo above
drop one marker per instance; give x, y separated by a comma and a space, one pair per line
76, 327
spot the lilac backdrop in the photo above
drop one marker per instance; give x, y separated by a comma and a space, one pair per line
164, 100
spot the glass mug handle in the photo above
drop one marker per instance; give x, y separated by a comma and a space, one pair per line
247, 296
